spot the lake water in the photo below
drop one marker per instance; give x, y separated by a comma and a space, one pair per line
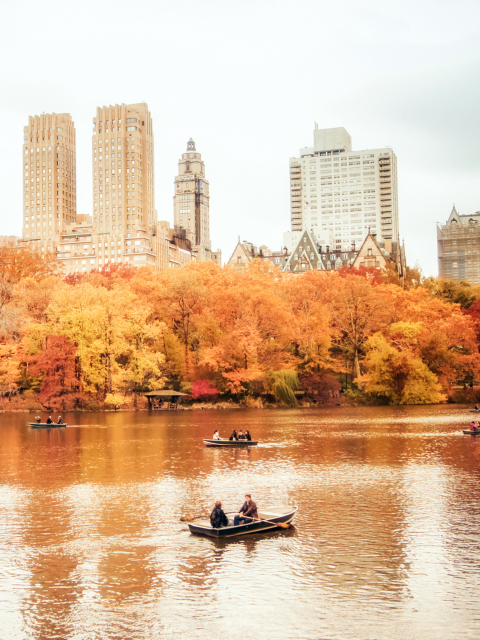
386, 543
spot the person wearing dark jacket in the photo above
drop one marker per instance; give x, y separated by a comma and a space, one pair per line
234, 435
49, 420
241, 435
247, 435
249, 509
218, 518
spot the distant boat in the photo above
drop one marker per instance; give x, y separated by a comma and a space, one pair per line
471, 432
474, 410
271, 514
229, 443
44, 425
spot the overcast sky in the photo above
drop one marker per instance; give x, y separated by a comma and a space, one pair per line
247, 80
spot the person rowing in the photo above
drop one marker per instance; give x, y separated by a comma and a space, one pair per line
473, 426
38, 419
241, 435
234, 435
476, 408
216, 435
249, 508
218, 518
49, 420
59, 421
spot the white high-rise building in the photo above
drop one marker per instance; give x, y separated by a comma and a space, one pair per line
344, 192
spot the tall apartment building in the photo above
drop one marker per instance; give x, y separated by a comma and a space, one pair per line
49, 172
123, 169
345, 192
191, 200
458, 245
123, 227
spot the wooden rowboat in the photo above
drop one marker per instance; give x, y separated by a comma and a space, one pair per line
44, 425
272, 514
229, 443
474, 410
471, 432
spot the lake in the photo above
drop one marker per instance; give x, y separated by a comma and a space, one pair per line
386, 542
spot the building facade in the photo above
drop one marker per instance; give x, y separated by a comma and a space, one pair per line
335, 189
310, 255
123, 228
458, 244
49, 178
191, 201
123, 169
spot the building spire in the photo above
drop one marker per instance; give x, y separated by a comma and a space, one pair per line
191, 145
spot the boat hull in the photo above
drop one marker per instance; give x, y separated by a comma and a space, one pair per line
470, 432
44, 425
230, 443
204, 529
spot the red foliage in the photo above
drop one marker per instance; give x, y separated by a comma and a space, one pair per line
320, 388
105, 276
60, 388
474, 312
371, 274
204, 389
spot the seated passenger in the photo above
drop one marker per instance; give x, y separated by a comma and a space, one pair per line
241, 435
38, 419
472, 426
59, 421
234, 435
49, 420
218, 518
247, 435
249, 509
216, 435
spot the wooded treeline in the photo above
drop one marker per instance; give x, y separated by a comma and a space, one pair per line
102, 338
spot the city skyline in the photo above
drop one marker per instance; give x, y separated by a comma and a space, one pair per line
419, 99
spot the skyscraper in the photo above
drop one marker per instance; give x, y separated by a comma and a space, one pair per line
49, 171
123, 169
344, 192
191, 200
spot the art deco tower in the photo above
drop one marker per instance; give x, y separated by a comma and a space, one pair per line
49, 172
191, 199
123, 168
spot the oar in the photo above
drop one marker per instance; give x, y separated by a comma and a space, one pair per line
283, 525
188, 518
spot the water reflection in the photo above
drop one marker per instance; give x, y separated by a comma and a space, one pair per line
385, 542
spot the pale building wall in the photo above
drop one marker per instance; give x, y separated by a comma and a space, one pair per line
343, 191
458, 244
49, 177
370, 255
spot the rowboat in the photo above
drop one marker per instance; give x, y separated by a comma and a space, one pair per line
229, 443
272, 514
474, 410
471, 432
44, 425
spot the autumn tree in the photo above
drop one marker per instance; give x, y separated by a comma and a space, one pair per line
56, 364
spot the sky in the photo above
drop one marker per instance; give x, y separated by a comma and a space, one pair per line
247, 81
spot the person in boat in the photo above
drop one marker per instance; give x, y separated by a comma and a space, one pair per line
38, 419
247, 435
241, 435
216, 435
473, 426
59, 421
247, 512
476, 408
49, 420
234, 435
218, 518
